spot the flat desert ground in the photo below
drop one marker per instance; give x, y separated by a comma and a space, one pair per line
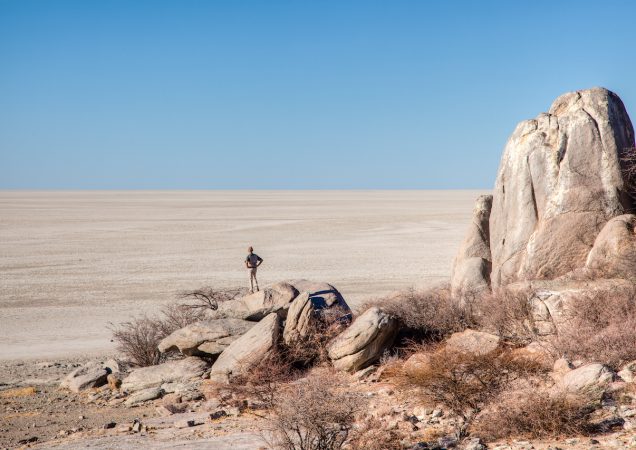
73, 262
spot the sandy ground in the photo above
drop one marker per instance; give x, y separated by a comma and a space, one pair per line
71, 262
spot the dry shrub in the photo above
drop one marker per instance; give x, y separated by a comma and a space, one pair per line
535, 414
507, 313
259, 384
138, 338
315, 413
372, 435
430, 313
465, 382
601, 327
208, 297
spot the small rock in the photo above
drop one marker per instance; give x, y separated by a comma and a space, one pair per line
437, 413
82, 417
136, 426
109, 425
124, 428
28, 440
185, 424
474, 444
143, 396
114, 382
218, 414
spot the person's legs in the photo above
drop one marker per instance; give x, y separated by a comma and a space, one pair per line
253, 279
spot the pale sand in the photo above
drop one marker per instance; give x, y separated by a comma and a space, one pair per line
71, 262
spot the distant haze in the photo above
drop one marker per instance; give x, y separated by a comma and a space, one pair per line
289, 95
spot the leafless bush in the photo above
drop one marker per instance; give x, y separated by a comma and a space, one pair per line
535, 415
465, 382
601, 326
431, 312
138, 338
313, 414
372, 435
628, 168
507, 313
258, 385
209, 298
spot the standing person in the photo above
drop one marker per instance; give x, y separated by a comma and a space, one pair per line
252, 262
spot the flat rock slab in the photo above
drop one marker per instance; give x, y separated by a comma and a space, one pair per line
173, 371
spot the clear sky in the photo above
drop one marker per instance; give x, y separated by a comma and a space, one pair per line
290, 94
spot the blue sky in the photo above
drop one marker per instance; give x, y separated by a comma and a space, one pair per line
290, 94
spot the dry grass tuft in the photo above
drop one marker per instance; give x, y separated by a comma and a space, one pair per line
507, 313
18, 392
432, 313
535, 414
601, 327
464, 382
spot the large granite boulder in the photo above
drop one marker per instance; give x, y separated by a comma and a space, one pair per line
181, 370
206, 338
471, 268
364, 341
561, 178
248, 350
275, 298
589, 379
308, 309
614, 251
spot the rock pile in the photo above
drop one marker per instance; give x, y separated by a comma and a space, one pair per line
562, 206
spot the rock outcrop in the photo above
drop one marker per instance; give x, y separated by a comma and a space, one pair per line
564, 176
206, 338
169, 372
473, 263
248, 350
560, 180
364, 341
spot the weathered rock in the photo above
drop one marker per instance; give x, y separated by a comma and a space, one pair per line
206, 338
88, 376
143, 396
154, 376
628, 372
114, 382
591, 379
254, 307
559, 181
306, 309
471, 268
247, 350
471, 341
364, 341
416, 363
614, 251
